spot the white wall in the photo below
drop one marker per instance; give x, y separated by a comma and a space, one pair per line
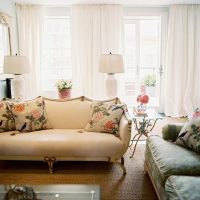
8, 7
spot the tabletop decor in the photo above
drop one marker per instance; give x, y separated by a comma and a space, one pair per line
64, 88
142, 102
20, 192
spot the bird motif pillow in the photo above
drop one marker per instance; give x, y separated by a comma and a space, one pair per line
7, 122
30, 115
105, 118
189, 136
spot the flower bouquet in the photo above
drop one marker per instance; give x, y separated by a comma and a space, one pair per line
142, 102
64, 88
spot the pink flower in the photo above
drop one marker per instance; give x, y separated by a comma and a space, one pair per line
196, 115
109, 125
97, 116
36, 114
143, 99
19, 108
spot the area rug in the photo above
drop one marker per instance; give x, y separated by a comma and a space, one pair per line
114, 186
133, 186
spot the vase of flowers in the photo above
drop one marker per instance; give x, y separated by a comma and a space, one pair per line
142, 102
64, 89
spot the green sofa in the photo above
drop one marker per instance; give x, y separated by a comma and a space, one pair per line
170, 165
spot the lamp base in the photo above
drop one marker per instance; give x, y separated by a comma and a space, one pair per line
111, 86
18, 87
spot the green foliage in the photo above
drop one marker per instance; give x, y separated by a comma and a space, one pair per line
150, 80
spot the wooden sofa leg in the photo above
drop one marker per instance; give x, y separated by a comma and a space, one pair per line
50, 161
145, 169
121, 164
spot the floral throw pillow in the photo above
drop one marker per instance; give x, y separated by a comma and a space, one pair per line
189, 136
30, 115
105, 118
7, 122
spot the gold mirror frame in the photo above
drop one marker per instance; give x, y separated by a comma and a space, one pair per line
5, 21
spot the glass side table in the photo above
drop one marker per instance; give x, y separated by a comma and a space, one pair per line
144, 124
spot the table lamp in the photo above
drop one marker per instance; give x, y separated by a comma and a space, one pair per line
17, 65
111, 64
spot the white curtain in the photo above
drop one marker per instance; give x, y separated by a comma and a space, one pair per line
182, 92
96, 29
29, 20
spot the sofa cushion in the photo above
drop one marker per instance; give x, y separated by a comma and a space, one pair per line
60, 143
7, 122
72, 114
182, 187
105, 117
75, 112
171, 159
189, 136
29, 115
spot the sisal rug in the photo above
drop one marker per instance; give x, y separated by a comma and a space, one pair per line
114, 186
133, 186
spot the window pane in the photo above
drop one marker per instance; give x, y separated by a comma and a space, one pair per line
130, 58
149, 57
149, 41
141, 55
56, 50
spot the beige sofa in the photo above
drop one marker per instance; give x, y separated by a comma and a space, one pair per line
68, 141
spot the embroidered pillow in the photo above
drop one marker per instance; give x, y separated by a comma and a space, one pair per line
189, 136
7, 122
105, 118
30, 115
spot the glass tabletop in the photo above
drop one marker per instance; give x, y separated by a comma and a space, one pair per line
150, 113
50, 192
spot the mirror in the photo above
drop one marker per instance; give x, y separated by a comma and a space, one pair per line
5, 40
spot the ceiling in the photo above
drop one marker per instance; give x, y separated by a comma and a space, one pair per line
123, 2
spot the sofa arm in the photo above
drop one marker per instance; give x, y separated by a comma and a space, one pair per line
171, 131
125, 128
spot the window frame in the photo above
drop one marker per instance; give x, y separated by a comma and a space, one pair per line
5, 24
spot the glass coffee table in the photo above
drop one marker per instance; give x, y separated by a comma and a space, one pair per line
144, 124
50, 192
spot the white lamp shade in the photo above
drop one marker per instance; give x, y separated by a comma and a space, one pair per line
16, 65
111, 63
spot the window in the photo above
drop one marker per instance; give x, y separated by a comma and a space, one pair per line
3, 45
142, 41
56, 52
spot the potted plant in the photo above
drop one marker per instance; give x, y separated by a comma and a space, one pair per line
64, 88
150, 84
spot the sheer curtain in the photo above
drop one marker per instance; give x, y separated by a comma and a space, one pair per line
96, 29
29, 20
182, 92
